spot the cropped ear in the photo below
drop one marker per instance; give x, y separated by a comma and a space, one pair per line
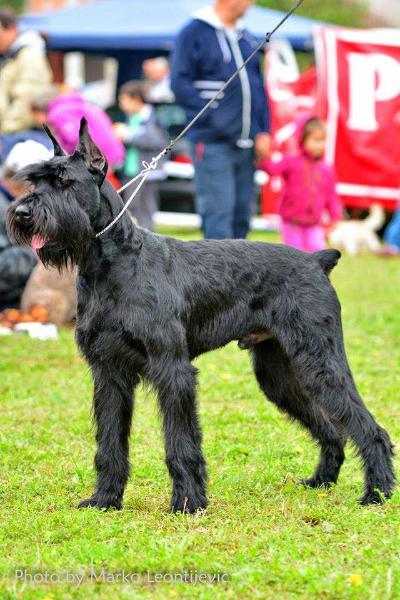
58, 151
95, 160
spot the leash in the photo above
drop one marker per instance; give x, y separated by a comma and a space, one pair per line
153, 164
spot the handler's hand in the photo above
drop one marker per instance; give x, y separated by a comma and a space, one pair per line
263, 146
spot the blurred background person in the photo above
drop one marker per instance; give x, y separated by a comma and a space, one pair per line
144, 137
24, 73
16, 264
63, 112
207, 52
391, 236
38, 108
156, 73
310, 188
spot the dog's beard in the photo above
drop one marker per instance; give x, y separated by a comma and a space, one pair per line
62, 252
55, 247
61, 257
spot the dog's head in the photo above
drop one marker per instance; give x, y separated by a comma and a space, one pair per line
57, 216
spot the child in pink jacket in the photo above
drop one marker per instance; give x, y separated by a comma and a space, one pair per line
309, 189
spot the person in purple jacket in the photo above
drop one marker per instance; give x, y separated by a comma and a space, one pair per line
63, 113
310, 188
209, 49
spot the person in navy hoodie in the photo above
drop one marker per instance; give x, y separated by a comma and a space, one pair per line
224, 141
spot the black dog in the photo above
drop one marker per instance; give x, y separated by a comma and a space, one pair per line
148, 305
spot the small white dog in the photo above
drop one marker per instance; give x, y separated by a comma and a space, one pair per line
359, 236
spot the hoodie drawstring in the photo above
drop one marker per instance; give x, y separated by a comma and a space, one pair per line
223, 43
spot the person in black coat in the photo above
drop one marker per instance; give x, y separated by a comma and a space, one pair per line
16, 264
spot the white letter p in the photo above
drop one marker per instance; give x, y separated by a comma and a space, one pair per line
373, 78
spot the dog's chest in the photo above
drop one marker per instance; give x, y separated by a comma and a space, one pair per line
101, 332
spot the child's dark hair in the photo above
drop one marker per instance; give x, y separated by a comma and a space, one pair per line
7, 19
134, 89
313, 124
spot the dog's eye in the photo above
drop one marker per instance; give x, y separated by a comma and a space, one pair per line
62, 182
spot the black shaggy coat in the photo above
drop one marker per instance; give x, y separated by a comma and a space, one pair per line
148, 305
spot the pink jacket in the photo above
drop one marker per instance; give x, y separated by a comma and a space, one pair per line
309, 188
64, 115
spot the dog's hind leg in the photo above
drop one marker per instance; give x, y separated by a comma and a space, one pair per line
375, 450
372, 242
321, 368
112, 405
176, 386
276, 379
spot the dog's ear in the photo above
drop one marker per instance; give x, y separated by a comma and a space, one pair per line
94, 159
58, 151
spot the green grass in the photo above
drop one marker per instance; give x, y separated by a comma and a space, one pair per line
270, 537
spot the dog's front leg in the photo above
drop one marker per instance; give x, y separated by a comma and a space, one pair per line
113, 405
176, 387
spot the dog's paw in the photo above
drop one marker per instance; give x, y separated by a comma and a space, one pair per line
188, 504
316, 482
99, 502
374, 497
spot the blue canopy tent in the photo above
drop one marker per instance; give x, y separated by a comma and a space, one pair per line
140, 25
131, 30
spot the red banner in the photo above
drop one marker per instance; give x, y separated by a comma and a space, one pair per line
290, 93
359, 74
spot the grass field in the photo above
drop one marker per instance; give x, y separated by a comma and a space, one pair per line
263, 535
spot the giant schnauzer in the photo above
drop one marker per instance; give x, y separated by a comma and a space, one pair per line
148, 305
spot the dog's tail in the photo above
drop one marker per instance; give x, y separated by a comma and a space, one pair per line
376, 218
328, 259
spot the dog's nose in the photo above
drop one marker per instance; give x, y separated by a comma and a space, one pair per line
23, 213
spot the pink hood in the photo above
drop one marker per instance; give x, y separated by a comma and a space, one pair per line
64, 116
